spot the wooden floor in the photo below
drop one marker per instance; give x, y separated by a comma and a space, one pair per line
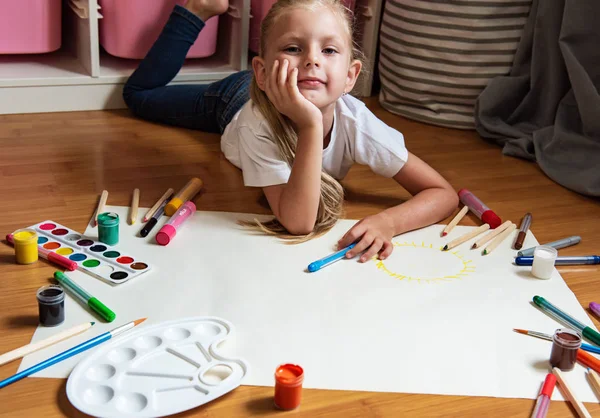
54, 166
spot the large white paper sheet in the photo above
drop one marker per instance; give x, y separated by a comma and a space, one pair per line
424, 321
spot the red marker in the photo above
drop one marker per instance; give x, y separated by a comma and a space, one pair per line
543, 400
479, 208
51, 256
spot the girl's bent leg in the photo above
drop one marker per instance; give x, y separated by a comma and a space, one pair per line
146, 92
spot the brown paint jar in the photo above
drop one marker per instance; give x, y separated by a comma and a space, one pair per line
565, 344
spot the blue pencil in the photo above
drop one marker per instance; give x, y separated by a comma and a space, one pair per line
70, 352
319, 264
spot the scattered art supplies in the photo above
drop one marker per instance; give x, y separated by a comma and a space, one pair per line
417, 287
102, 383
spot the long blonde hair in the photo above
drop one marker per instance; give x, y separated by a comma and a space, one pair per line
332, 193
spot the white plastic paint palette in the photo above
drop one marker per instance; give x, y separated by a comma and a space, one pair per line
100, 260
160, 370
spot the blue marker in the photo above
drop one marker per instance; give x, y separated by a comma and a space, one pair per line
319, 264
562, 261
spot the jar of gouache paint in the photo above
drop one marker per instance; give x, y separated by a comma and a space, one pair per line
565, 344
26, 248
288, 386
108, 228
51, 304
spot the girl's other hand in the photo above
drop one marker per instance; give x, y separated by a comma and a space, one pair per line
373, 235
282, 89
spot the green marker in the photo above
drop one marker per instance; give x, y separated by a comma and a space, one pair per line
94, 304
587, 332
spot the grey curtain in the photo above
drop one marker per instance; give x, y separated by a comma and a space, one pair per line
548, 108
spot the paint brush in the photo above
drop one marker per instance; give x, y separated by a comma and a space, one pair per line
71, 352
586, 347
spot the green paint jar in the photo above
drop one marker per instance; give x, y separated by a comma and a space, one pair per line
108, 228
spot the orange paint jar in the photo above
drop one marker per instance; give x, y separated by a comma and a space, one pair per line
288, 386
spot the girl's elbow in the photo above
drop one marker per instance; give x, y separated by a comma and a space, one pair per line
450, 200
298, 227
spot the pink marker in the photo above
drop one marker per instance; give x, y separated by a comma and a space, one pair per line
169, 230
51, 256
479, 208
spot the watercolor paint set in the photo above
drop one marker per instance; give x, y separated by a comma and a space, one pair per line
103, 261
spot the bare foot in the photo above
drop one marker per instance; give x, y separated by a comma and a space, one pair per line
205, 9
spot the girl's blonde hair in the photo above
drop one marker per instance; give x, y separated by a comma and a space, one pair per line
332, 193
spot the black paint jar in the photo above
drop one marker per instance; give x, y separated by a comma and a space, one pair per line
51, 303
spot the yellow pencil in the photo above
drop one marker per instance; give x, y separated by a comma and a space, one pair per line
491, 234
135, 202
509, 230
455, 221
100, 208
466, 237
569, 395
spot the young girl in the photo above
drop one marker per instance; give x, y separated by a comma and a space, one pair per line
290, 124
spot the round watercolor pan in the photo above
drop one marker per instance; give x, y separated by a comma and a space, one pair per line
157, 370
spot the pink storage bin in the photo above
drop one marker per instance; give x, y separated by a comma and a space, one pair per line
259, 9
30, 26
128, 28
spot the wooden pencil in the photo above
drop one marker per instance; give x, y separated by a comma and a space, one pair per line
466, 237
33, 347
509, 230
569, 395
455, 221
491, 234
594, 379
101, 204
159, 202
135, 202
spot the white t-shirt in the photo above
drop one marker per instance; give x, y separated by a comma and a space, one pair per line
358, 136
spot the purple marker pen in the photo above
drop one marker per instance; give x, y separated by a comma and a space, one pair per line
595, 307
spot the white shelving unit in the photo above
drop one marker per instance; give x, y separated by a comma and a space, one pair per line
81, 76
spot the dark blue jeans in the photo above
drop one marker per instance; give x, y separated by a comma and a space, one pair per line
206, 107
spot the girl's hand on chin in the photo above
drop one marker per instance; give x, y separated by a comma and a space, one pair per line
282, 89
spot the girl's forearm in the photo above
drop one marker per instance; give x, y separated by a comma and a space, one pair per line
425, 208
299, 201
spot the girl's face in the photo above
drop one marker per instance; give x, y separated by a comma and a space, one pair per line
316, 42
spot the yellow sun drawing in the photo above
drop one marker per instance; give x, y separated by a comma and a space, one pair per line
424, 263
